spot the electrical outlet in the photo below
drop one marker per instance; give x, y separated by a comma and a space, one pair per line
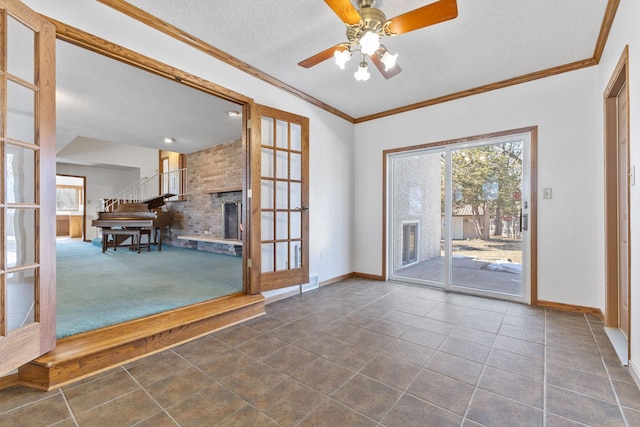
546, 193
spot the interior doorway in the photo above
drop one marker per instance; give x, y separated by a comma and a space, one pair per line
619, 176
71, 206
460, 215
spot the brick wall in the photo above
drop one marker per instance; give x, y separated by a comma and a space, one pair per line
208, 170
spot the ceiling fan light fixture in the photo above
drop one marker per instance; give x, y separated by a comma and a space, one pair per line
362, 75
342, 57
388, 60
369, 43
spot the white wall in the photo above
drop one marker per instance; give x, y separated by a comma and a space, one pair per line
102, 183
566, 110
331, 138
89, 151
625, 32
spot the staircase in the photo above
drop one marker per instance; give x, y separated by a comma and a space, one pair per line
172, 182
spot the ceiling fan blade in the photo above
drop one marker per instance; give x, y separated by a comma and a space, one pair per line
434, 13
345, 11
387, 74
322, 56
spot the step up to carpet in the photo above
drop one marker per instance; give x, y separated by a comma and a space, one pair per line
88, 353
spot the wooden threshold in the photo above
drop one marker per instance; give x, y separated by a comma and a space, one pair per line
82, 355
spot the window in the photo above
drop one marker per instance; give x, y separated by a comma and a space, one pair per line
68, 198
409, 243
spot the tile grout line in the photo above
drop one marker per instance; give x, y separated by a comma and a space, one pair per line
484, 368
163, 409
404, 392
66, 402
220, 383
606, 369
359, 371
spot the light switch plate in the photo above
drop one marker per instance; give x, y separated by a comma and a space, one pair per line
546, 193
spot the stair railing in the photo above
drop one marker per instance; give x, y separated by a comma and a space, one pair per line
174, 182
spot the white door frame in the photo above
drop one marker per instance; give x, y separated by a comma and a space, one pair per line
529, 276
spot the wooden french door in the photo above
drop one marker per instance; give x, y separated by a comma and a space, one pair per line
28, 188
279, 253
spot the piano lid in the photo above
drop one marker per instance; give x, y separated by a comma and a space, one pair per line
157, 201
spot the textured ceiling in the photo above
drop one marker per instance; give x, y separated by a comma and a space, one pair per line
103, 99
489, 41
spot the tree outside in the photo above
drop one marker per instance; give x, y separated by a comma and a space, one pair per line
489, 180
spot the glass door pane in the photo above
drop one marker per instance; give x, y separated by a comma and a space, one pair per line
280, 200
281, 195
27, 186
417, 185
486, 207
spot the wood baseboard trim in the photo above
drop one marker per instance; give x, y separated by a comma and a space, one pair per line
83, 355
8, 381
368, 276
336, 279
570, 307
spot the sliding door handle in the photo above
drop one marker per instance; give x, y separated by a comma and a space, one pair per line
524, 222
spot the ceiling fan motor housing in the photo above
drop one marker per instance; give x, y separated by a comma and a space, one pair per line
372, 19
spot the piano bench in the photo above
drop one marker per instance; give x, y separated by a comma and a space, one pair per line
131, 232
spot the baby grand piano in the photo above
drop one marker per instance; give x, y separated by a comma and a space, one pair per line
134, 220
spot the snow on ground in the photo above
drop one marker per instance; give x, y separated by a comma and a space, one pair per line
506, 266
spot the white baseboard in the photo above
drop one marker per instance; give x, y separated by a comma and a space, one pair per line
635, 373
620, 344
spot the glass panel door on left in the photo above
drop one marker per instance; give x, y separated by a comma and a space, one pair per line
417, 211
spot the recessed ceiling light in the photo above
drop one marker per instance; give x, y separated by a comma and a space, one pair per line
169, 140
233, 113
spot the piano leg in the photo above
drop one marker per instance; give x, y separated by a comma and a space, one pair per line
145, 232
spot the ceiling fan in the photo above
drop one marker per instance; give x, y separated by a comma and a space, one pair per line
367, 25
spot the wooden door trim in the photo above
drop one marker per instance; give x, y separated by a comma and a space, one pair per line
619, 80
104, 47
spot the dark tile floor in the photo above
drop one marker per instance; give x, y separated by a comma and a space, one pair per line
362, 353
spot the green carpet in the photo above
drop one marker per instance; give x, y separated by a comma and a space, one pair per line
96, 289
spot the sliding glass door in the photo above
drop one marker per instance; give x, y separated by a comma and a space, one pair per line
458, 216
417, 212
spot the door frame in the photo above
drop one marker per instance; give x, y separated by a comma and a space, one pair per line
111, 50
533, 202
251, 277
619, 80
84, 203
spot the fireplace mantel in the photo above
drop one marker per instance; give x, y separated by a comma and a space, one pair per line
218, 191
